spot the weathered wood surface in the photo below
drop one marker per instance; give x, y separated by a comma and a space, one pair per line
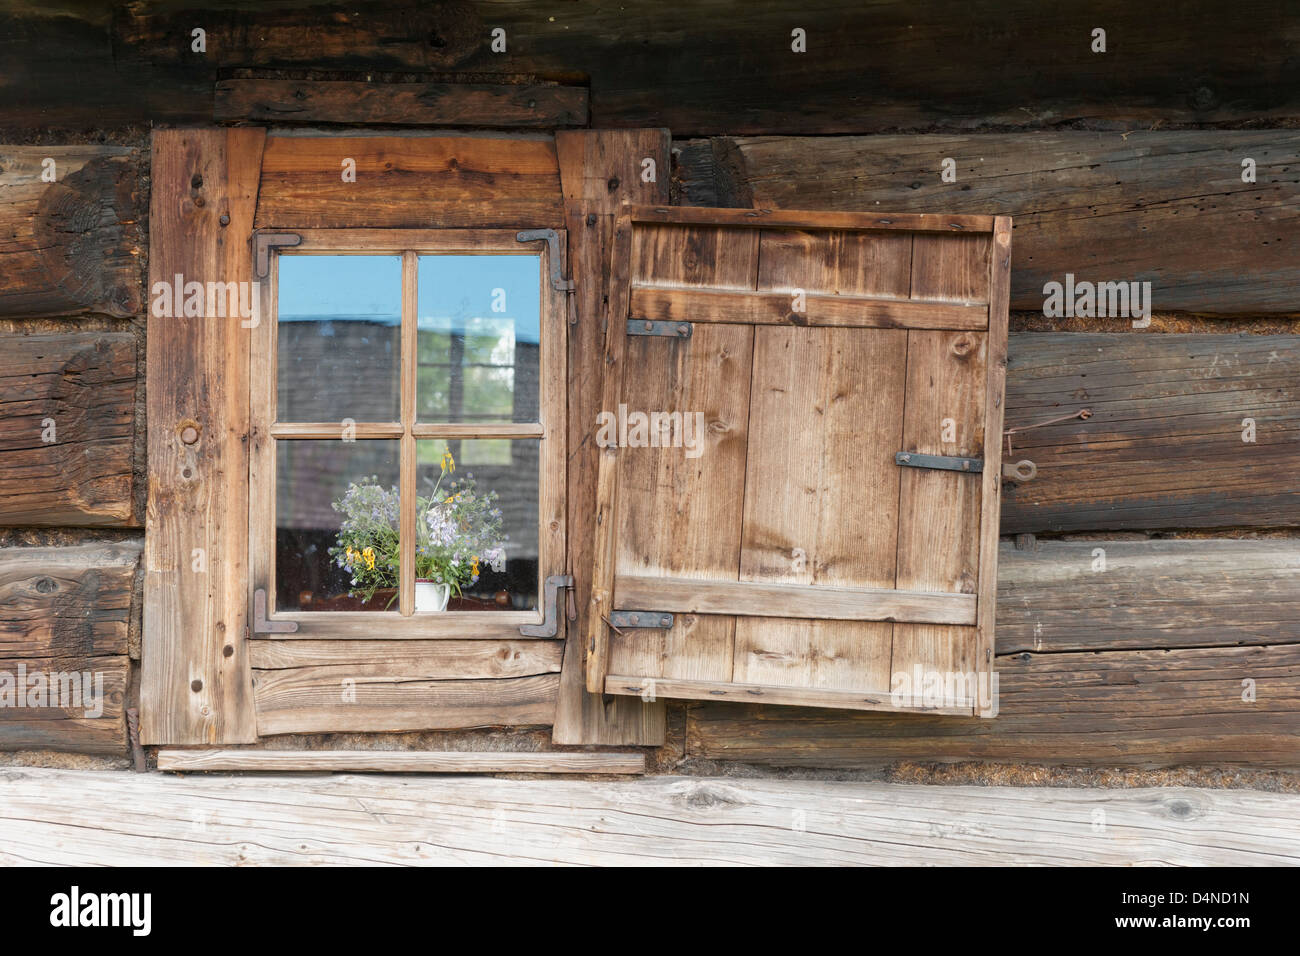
83, 818
598, 171
1134, 595
1169, 208
1164, 446
64, 620
73, 244
196, 687
306, 686
406, 761
428, 103
67, 427
698, 68
1145, 708
473, 181
66, 602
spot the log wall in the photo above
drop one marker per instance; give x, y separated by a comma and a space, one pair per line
1125, 166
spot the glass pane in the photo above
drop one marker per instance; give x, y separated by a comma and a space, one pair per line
476, 521
336, 525
479, 321
339, 324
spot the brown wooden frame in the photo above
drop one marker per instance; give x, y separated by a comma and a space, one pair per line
988, 314
265, 431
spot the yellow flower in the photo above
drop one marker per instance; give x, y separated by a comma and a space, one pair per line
369, 555
448, 463
475, 565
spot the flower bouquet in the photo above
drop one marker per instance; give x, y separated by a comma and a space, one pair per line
457, 528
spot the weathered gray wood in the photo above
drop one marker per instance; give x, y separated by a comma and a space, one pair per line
84, 818
1150, 708
81, 710
1120, 595
73, 244
401, 104
1169, 208
407, 761
67, 425
702, 68
1164, 447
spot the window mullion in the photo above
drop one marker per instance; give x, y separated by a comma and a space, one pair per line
406, 584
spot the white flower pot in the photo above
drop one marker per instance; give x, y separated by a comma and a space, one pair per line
431, 596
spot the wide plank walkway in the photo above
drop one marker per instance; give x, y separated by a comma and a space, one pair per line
89, 817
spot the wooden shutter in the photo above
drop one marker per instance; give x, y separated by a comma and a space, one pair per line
805, 555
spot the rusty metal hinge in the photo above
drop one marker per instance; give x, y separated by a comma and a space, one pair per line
261, 625
674, 330
550, 625
558, 282
263, 243
943, 462
619, 619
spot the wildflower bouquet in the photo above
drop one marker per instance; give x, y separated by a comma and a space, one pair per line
458, 531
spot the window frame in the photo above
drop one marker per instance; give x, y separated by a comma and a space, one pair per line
550, 431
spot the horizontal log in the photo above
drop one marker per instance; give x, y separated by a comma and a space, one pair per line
82, 710
69, 603
1104, 207
703, 68
84, 818
71, 244
67, 428
654, 688
1164, 447
380, 761
811, 218
1109, 708
1116, 595
759, 308
401, 104
752, 598
468, 181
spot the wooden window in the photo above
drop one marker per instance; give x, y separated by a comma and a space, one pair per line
398, 374
810, 550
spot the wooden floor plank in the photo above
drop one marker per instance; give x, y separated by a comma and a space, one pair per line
407, 761
81, 818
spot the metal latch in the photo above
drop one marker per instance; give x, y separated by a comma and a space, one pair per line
550, 625
558, 282
943, 462
676, 330
261, 625
620, 619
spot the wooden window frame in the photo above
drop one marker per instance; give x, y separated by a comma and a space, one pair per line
550, 431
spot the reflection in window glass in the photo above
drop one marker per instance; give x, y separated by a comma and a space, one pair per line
336, 525
339, 338
479, 321
478, 524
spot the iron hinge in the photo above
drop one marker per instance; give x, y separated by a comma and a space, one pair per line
621, 619
550, 625
675, 330
912, 459
260, 623
263, 243
558, 282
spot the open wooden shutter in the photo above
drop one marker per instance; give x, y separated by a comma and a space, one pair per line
835, 539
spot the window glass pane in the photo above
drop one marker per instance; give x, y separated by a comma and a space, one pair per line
339, 338
336, 525
479, 321
476, 521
